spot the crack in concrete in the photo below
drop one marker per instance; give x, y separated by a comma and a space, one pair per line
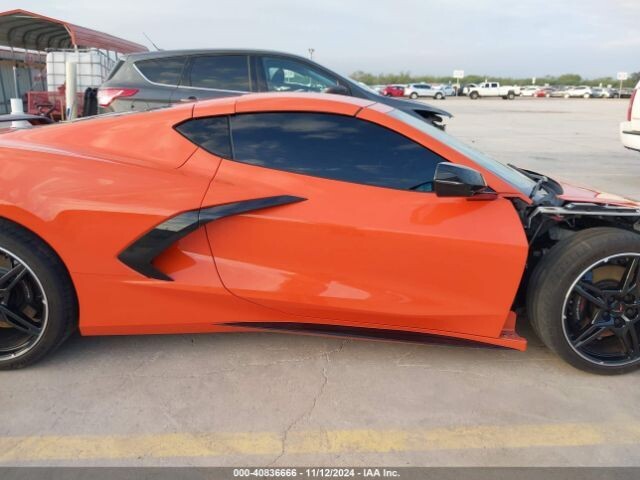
309, 412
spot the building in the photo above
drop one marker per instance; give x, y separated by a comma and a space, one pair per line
25, 40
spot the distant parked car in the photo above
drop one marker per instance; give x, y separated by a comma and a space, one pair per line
610, 93
393, 91
597, 92
583, 91
559, 92
544, 92
449, 90
415, 90
529, 90
144, 81
630, 130
626, 92
494, 89
466, 88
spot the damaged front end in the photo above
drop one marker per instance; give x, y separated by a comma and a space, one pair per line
555, 215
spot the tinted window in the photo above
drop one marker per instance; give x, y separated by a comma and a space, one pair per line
284, 75
211, 133
333, 146
162, 70
223, 72
508, 174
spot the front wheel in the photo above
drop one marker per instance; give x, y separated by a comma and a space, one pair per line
583, 300
586, 95
439, 96
473, 95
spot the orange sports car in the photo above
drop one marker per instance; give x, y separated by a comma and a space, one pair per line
303, 213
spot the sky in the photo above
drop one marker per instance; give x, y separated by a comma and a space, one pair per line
521, 38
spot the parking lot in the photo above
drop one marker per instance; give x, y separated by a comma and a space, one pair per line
269, 399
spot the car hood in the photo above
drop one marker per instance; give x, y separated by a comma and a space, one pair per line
402, 104
574, 193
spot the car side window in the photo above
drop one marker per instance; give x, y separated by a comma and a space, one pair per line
211, 134
166, 71
332, 146
285, 75
220, 72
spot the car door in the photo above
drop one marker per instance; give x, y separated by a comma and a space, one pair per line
214, 76
352, 232
278, 73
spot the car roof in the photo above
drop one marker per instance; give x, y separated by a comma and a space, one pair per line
134, 57
281, 101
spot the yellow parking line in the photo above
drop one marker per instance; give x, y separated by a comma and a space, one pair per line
315, 442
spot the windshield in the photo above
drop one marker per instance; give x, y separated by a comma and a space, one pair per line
508, 174
362, 85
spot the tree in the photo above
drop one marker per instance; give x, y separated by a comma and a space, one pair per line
569, 79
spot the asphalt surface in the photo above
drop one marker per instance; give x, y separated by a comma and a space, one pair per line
274, 399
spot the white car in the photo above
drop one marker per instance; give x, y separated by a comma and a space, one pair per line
630, 130
415, 90
583, 91
494, 89
529, 90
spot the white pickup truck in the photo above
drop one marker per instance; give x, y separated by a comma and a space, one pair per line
630, 130
494, 89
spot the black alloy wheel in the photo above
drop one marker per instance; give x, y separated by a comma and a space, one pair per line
23, 307
601, 314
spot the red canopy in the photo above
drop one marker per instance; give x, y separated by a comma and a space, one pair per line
31, 31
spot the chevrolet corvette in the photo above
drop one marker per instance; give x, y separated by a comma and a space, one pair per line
304, 213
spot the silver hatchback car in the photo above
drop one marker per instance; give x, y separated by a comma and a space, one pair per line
416, 90
149, 80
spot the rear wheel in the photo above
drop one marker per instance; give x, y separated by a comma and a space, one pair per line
586, 95
439, 96
38, 308
511, 95
584, 300
414, 95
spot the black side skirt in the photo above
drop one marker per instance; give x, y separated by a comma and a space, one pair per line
366, 333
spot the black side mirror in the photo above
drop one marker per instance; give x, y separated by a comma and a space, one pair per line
337, 90
453, 180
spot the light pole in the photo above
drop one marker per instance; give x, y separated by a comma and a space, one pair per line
311, 50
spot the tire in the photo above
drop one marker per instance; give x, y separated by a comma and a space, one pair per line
566, 95
414, 95
474, 95
45, 285
586, 95
438, 96
552, 283
511, 95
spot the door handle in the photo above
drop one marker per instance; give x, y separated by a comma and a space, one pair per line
189, 99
